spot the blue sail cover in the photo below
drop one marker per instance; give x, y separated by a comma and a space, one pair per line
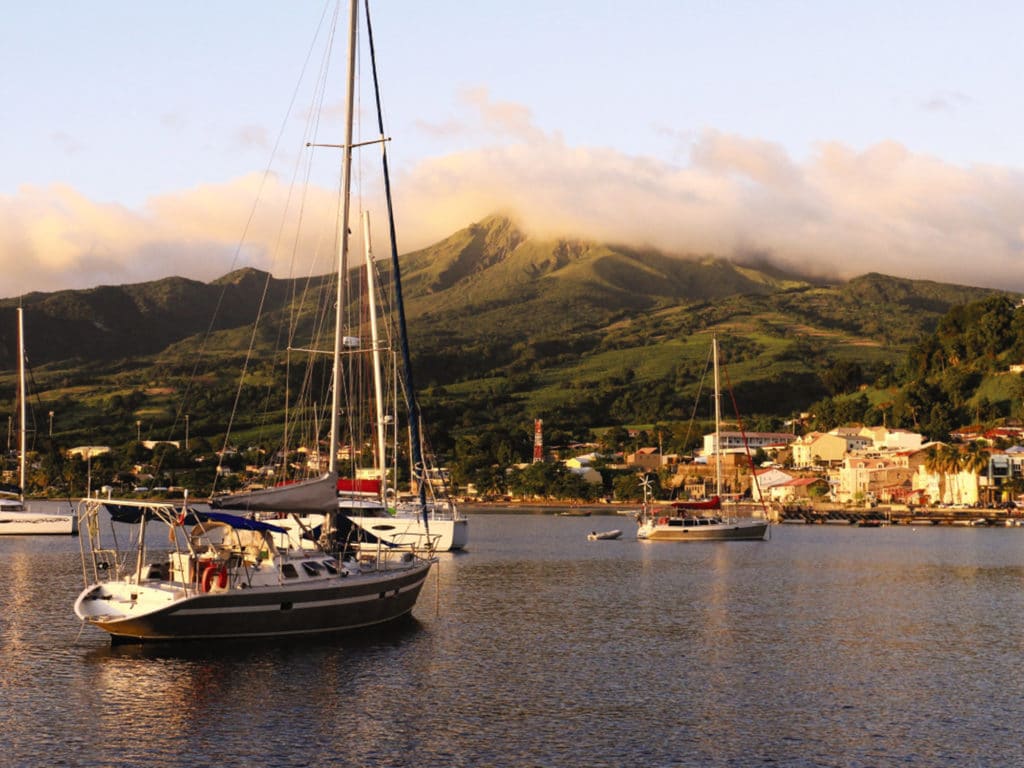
242, 523
131, 514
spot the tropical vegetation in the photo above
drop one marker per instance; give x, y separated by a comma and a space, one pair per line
607, 344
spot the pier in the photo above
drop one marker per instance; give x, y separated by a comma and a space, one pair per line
901, 515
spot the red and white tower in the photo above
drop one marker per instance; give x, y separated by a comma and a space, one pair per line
538, 440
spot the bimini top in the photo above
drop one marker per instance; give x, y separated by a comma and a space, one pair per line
133, 513
242, 523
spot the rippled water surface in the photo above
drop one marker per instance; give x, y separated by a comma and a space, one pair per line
824, 646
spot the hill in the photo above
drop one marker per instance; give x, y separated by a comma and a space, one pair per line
504, 327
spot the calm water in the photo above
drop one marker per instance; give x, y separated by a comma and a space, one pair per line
822, 647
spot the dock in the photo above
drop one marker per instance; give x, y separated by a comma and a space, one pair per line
902, 515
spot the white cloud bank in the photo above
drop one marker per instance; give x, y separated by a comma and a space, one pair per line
840, 213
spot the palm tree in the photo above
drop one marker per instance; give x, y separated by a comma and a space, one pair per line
975, 461
935, 464
952, 464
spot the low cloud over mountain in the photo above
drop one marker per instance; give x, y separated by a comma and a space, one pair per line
838, 213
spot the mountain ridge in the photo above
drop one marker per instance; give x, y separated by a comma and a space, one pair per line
502, 325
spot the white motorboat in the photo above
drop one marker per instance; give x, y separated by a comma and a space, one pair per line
604, 535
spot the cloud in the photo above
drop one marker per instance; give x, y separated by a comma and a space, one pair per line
839, 213
55, 238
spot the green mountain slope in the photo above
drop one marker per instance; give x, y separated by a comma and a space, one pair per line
503, 326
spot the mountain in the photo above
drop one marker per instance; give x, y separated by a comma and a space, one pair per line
504, 325
111, 323
495, 273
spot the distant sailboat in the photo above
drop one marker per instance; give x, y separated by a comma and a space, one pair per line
690, 520
15, 517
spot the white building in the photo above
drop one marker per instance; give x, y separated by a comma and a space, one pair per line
733, 442
885, 439
766, 480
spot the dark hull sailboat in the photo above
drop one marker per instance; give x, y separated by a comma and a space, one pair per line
233, 576
229, 580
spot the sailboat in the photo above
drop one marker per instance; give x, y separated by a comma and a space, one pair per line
369, 499
15, 517
428, 519
700, 520
219, 574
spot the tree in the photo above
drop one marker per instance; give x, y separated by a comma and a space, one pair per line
628, 488
975, 459
952, 464
935, 464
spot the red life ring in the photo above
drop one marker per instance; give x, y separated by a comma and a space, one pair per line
213, 569
662, 521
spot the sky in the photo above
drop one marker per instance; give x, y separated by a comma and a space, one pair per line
146, 139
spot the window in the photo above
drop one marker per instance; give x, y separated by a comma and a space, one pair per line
312, 569
289, 572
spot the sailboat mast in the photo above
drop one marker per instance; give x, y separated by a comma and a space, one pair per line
346, 177
21, 404
718, 420
419, 474
378, 388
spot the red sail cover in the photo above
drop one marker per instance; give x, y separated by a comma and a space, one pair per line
713, 503
350, 485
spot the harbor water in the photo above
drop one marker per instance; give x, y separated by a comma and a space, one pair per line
824, 646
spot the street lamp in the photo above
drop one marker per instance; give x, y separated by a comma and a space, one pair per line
138, 431
186, 431
51, 424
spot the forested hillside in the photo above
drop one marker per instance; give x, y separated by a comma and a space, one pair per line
506, 328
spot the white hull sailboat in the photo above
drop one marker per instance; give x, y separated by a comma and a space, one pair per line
16, 520
700, 520
15, 517
443, 530
445, 527
219, 575
677, 527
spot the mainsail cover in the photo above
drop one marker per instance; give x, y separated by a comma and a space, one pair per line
714, 502
305, 497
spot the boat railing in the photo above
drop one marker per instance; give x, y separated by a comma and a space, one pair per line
110, 554
422, 544
418, 546
436, 510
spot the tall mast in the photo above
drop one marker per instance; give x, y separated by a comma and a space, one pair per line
21, 404
419, 473
718, 420
378, 388
346, 176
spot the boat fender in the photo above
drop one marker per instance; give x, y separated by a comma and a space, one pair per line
214, 570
